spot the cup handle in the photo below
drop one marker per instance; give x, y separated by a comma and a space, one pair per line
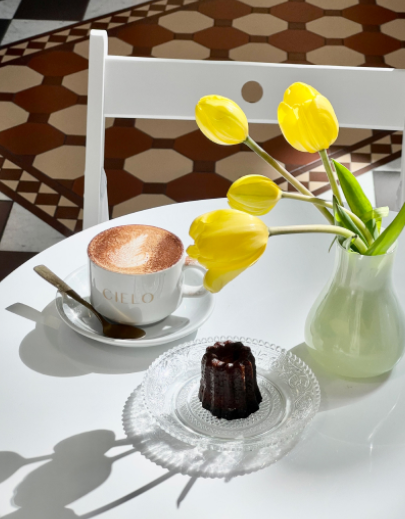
193, 291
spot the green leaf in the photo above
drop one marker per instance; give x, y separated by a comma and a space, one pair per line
331, 245
355, 196
348, 242
389, 236
378, 214
344, 220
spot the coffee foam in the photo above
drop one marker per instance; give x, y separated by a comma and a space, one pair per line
135, 249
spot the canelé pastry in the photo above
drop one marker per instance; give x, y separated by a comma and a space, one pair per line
228, 386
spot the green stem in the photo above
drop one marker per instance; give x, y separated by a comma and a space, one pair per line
331, 175
323, 203
329, 229
286, 174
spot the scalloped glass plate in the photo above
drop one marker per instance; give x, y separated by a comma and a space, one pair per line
290, 391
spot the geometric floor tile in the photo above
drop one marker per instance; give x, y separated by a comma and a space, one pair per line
5, 209
26, 232
43, 97
10, 260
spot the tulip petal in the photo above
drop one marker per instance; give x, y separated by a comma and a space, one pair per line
289, 125
308, 128
226, 242
193, 252
322, 112
299, 92
254, 194
318, 126
221, 120
307, 119
215, 279
229, 238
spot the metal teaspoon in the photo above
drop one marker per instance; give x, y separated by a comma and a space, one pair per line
113, 330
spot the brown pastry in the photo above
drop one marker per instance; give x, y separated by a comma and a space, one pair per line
228, 385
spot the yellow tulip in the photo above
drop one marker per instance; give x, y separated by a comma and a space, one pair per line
221, 120
254, 194
307, 119
226, 242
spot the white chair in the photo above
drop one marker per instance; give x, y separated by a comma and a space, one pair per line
154, 88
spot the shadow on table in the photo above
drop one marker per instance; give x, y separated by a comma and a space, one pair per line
336, 391
77, 466
360, 423
52, 348
168, 452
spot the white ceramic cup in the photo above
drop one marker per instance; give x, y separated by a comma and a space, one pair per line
144, 298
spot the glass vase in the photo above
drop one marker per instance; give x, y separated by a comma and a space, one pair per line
356, 327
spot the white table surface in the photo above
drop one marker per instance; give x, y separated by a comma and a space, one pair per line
55, 386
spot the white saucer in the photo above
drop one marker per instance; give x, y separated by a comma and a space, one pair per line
190, 315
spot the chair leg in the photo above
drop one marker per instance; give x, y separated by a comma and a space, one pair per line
104, 216
95, 209
401, 188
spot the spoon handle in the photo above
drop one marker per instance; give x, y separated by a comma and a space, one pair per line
54, 280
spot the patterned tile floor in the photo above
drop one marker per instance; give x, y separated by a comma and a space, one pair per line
43, 87
20, 19
9, 260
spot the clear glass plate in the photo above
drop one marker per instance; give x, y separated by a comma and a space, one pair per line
290, 391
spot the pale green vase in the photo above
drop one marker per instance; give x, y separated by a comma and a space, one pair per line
356, 327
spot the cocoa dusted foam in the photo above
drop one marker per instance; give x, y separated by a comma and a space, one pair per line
135, 249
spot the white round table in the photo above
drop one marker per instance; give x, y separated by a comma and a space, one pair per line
62, 398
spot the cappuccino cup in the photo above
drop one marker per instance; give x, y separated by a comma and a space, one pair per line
137, 274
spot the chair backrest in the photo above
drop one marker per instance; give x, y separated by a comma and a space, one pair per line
169, 89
